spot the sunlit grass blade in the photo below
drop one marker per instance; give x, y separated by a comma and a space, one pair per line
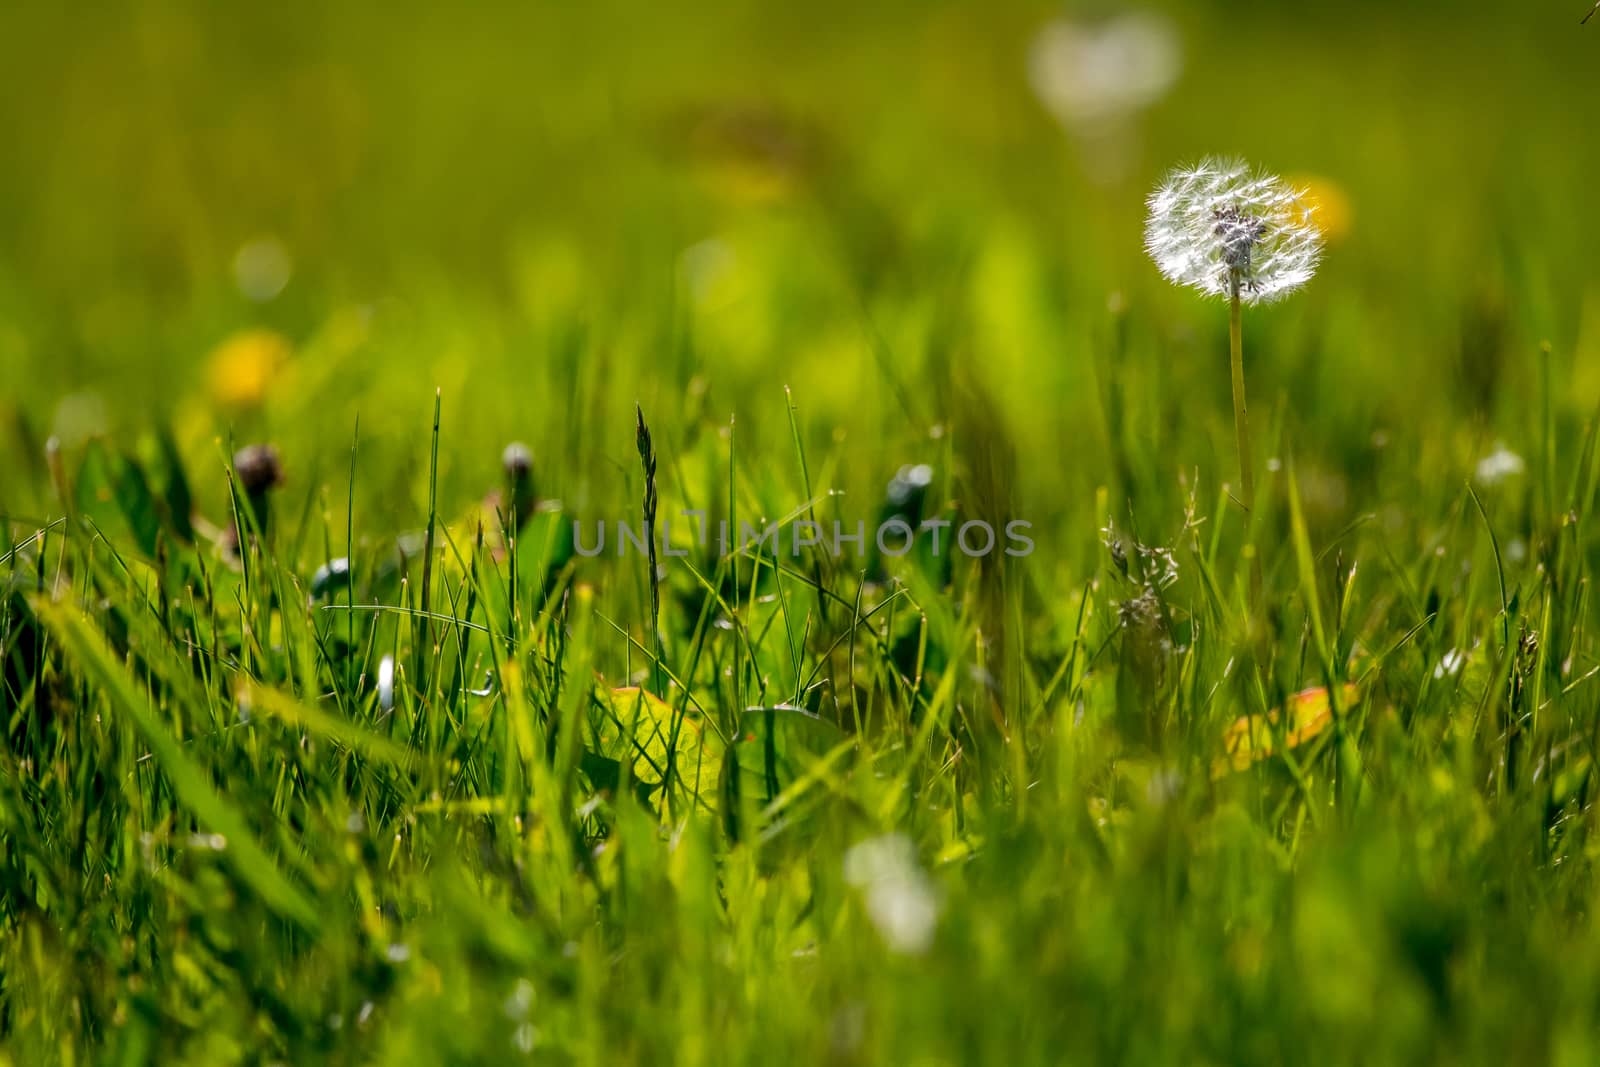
189, 781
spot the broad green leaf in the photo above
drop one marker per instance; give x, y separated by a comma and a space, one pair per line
633, 727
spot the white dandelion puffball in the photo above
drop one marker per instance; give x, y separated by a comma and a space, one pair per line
1221, 225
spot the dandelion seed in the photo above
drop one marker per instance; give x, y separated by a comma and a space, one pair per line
1499, 465
1223, 228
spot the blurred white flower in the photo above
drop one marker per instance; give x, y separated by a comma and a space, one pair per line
704, 265
79, 417
520, 1000
1220, 225
901, 902
261, 269
1092, 74
1450, 664
1499, 465
386, 683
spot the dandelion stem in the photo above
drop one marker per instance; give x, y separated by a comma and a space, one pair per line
1241, 428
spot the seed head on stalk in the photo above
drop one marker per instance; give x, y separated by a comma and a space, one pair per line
1222, 227
1231, 231
647, 456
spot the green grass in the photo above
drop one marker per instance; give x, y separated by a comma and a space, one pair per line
608, 820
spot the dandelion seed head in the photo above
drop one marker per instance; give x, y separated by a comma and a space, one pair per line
1220, 224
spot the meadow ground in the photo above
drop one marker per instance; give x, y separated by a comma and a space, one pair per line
341, 753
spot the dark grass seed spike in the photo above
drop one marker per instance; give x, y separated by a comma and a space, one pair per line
424, 630
647, 456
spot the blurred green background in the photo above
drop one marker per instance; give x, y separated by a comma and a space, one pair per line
551, 211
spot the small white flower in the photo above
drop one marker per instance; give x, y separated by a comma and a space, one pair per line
1450, 664
386, 683
1091, 74
901, 902
1499, 465
1220, 226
